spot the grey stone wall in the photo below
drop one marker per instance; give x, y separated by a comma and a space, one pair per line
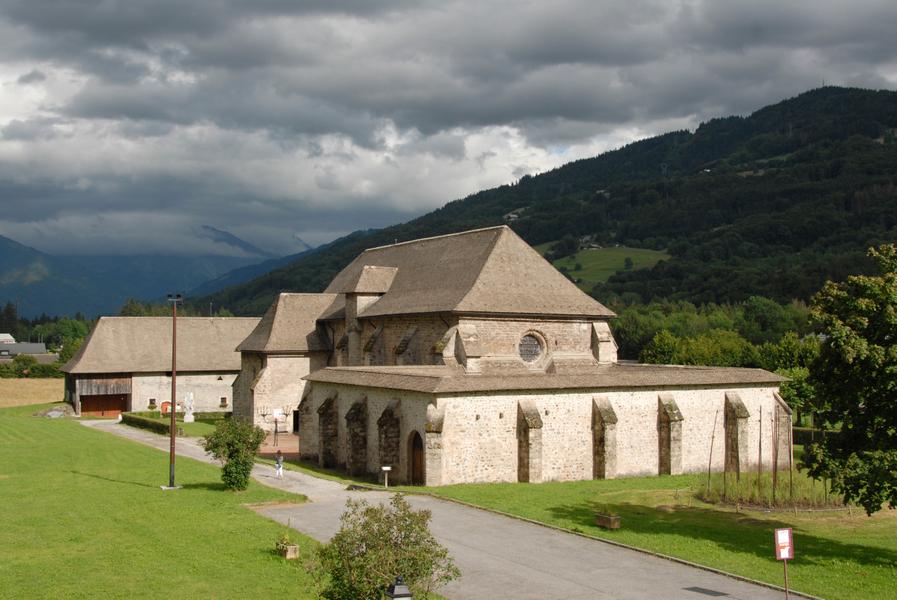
391, 418
736, 428
669, 433
489, 437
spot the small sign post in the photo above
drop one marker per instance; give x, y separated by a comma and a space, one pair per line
784, 551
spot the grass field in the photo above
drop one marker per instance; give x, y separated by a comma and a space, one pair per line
598, 264
85, 518
838, 555
19, 392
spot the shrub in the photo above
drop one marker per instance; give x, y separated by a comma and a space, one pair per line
137, 420
375, 544
236, 442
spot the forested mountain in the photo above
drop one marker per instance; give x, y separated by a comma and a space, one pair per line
93, 285
770, 204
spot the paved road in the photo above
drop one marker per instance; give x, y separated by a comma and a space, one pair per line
499, 557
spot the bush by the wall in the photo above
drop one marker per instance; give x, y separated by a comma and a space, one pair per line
143, 422
204, 416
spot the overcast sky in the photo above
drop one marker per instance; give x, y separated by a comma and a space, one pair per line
127, 124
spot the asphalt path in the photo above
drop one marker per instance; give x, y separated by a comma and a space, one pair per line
499, 557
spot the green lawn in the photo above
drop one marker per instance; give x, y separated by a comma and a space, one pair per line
598, 264
85, 518
837, 555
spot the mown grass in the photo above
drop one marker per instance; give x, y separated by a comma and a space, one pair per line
20, 392
85, 518
598, 264
838, 554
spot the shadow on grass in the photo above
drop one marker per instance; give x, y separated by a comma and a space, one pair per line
212, 486
333, 474
734, 532
110, 479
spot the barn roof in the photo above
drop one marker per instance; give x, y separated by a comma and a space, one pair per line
289, 326
483, 271
143, 345
448, 380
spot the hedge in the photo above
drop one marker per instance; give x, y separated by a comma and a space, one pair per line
137, 420
150, 419
203, 416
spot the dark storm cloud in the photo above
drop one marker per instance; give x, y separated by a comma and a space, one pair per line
32, 76
279, 117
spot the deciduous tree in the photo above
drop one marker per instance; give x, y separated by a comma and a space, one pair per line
855, 378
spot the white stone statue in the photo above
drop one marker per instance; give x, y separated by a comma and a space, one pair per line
188, 408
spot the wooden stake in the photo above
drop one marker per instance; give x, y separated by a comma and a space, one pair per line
775, 456
791, 460
710, 460
760, 456
785, 563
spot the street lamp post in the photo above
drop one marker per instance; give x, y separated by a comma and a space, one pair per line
174, 299
399, 590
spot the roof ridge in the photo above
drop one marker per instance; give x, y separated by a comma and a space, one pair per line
280, 294
436, 237
485, 262
180, 317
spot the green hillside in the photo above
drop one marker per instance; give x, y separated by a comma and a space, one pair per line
591, 266
770, 204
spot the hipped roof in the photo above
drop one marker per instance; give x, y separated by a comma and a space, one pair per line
289, 325
143, 345
484, 271
448, 380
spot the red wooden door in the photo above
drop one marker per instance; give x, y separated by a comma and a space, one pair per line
104, 405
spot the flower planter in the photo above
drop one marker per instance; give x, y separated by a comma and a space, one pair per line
289, 552
607, 521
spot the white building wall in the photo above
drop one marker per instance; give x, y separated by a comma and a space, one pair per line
480, 436
479, 431
207, 388
269, 382
412, 410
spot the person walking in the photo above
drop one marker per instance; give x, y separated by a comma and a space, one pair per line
278, 465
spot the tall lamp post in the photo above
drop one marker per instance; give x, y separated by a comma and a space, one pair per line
174, 299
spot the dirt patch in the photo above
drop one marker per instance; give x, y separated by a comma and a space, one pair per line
4, 476
57, 411
260, 506
21, 392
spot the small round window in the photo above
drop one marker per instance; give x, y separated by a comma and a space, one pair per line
530, 348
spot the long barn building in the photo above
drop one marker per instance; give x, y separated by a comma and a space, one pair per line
125, 364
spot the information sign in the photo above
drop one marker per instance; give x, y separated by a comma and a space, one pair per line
784, 544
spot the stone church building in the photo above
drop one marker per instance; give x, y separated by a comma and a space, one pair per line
469, 358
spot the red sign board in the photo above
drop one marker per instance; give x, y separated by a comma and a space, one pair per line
784, 544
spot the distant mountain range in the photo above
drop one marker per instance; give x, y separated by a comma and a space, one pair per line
770, 204
98, 285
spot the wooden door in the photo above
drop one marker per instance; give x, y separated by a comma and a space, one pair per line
416, 459
104, 405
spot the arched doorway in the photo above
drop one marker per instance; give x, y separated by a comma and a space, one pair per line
415, 459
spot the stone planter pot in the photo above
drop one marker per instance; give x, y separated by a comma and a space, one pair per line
290, 552
607, 521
